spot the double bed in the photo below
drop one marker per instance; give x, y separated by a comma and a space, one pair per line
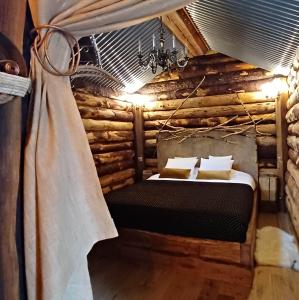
200, 223
196, 208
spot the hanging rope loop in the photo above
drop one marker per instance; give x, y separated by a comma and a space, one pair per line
41, 45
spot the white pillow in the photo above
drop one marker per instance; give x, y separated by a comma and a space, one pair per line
181, 163
193, 157
229, 157
211, 164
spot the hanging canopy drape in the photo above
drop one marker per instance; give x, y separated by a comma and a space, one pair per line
64, 209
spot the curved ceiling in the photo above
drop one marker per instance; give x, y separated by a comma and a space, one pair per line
116, 53
264, 33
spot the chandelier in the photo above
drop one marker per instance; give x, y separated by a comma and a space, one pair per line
162, 57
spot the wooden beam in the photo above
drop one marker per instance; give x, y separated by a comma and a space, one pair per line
139, 142
194, 31
182, 26
12, 19
282, 148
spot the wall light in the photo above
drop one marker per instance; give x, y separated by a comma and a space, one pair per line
138, 99
274, 88
281, 70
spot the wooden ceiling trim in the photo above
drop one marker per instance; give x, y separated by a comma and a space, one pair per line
183, 28
195, 33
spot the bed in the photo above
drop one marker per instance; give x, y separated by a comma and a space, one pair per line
194, 208
203, 224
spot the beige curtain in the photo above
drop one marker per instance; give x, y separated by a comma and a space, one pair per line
64, 209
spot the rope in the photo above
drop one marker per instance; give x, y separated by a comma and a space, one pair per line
43, 42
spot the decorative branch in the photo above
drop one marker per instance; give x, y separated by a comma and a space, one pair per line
191, 94
180, 132
205, 130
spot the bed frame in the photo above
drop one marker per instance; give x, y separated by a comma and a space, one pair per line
231, 262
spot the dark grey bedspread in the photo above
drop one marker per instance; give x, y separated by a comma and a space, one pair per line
219, 211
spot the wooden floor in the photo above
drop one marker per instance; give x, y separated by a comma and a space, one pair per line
115, 277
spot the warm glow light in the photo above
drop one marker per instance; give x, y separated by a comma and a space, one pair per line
131, 96
274, 88
281, 70
138, 99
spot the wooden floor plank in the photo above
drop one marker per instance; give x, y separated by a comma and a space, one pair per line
117, 277
184, 285
267, 219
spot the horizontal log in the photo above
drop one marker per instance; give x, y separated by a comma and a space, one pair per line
107, 158
267, 163
192, 71
207, 101
106, 190
293, 99
123, 184
293, 209
292, 186
210, 59
295, 66
94, 125
150, 143
151, 170
151, 162
266, 141
115, 167
210, 80
150, 152
264, 128
103, 92
293, 114
236, 87
104, 113
150, 134
108, 147
208, 122
110, 136
164, 76
84, 99
214, 111
116, 177
293, 86
291, 167
293, 129
293, 142
292, 74
294, 157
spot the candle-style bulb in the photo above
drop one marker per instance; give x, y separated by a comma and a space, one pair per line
139, 46
173, 41
154, 41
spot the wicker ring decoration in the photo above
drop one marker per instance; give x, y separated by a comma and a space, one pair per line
40, 41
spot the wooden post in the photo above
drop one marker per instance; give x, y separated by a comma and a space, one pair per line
12, 19
139, 141
282, 148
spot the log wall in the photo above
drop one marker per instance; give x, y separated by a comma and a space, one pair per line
109, 124
292, 117
231, 89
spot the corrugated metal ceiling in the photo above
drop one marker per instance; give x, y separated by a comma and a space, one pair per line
116, 53
261, 32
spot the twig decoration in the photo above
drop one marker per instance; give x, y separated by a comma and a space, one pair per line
191, 94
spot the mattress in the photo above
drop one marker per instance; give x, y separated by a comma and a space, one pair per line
209, 210
235, 177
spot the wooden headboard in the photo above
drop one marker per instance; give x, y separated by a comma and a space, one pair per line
243, 148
